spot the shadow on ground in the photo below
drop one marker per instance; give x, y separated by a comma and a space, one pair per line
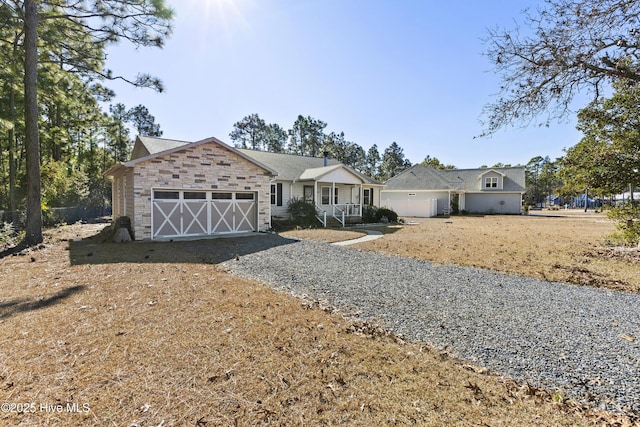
95, 250
21, 305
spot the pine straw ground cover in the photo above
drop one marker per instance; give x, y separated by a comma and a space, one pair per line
156, 334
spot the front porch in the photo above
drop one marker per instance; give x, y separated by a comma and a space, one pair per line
339, 202
339, 215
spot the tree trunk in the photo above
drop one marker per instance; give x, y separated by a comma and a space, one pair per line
586, 199
33, 226
12, 158
57, 125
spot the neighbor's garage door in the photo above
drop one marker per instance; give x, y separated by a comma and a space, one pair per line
410, 203
183, 213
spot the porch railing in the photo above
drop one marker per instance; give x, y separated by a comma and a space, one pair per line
338, 212
341, 212
349, 209
321, 215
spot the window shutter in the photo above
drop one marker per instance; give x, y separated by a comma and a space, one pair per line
279, 193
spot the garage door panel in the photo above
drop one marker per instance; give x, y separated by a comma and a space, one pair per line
195, 217
221, 216
166, 218
245, 215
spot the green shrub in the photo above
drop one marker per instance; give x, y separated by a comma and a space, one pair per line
302, 213
8, 234
627, 218
369, 214
387, 213
374, 214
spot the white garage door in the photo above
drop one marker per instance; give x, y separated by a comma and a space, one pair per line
410, 203
185, 213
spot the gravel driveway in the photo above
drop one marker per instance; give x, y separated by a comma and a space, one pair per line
582, 340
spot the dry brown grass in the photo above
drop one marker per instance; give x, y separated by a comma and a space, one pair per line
565, 246
154, 343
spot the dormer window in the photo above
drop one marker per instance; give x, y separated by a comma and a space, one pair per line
491, 182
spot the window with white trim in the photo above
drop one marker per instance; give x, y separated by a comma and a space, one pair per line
276, 194
325, 193
491, 182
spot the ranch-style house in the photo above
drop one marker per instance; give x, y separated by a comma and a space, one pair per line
171, 189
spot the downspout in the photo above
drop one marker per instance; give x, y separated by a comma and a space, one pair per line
123, 193
291, 192
271, 181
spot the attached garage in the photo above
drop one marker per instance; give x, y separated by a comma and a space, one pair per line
410, 203
171, 189
186, 213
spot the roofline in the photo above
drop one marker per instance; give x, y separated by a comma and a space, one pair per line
132, 163
477, 169
114, 169
331, 168
140, 137
367, 179
492, 170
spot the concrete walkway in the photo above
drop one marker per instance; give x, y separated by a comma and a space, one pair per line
371, 235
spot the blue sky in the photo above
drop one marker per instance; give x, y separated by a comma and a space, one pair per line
380, 71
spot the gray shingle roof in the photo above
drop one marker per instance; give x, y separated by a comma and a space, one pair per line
420, 177
289, 166
292, 167
513, 178
155, 145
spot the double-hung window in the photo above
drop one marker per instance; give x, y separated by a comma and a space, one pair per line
326, 195
491, 182
366, 197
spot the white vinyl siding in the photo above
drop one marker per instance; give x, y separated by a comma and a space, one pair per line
499, 203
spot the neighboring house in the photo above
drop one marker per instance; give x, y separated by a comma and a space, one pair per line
338, 191
423, 191
175, 188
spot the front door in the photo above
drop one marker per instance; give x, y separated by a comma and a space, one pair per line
308, 194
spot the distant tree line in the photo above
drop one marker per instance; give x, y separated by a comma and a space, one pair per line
78, 142
308, 137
